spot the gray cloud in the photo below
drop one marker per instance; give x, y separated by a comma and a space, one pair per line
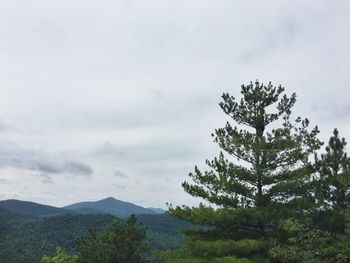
46, 178
334, 111
107, 148
3, 127
121, 187
153, 150
158, 93
5, 181
13, 156
161, 108
119, 173
77, 168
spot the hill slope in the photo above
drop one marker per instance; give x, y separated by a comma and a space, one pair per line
31, 208
25, 239
110, 206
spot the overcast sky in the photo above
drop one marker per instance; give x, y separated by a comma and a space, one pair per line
118, 98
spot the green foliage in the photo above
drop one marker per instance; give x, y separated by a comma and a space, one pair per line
182, 256
117, 244
305, 243
60, 257
90, 249
173, 257
163, 223
221, 248
26, 239
127, 242
322, 235
333, 184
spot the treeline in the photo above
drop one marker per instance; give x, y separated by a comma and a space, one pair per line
273, 197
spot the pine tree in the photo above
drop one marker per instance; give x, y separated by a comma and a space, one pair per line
91, 248
258, 177
332, 186
126, 243
333, 168
322, 235
119, 243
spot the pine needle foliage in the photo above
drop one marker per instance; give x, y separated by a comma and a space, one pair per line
261, 173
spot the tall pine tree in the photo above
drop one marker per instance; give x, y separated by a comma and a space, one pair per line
333, 183
258, 177
332, 186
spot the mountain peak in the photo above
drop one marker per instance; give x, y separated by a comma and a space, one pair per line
111, 206
109, 199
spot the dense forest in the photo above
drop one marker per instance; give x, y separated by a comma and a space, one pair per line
275, 193
27, 238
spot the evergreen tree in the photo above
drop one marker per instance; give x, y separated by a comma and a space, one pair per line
323, 234
119, 243
333, 182
332, 186
91, 249
258, 177
125, 244
305, 242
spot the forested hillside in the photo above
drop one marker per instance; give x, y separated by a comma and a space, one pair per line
26, 238
110, 206
31, 208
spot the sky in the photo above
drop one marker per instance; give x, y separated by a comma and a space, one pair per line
119, 98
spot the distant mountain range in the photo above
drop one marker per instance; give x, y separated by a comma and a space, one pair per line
157, 210
108, 205
29, 230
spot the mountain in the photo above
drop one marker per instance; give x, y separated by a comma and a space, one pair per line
25, 239
163, 223
157, 210
31, 208
7, 220
111, 206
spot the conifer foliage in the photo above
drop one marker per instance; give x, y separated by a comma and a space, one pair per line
323, 234
333, 184
258, 176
